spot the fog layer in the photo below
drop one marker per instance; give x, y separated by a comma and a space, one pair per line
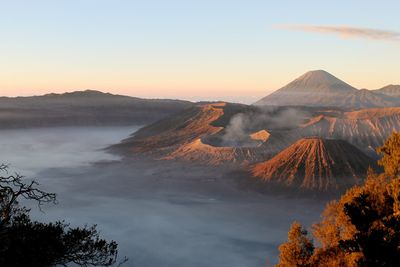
161, 213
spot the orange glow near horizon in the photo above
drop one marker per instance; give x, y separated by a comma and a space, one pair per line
161, 85
206, 50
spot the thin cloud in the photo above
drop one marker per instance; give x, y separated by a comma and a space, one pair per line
347, 32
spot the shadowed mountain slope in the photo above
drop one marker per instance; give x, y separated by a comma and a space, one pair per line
162, 136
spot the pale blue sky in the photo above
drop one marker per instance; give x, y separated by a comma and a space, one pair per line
183, 49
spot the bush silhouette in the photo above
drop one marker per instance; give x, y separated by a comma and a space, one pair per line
24, 242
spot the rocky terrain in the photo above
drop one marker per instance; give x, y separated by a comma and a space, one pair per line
84, 108
336, 147
194, 135
367, 129
198, 151
315, 163
321, 89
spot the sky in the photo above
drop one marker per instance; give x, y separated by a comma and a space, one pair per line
194, 49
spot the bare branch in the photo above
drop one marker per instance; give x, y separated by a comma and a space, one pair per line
12, 188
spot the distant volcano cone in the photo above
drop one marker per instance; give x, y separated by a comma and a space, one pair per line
318, 80
307, 89
317, 164
320, 88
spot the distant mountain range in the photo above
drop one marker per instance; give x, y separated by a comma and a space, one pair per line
321, 89
84, 108
303, 135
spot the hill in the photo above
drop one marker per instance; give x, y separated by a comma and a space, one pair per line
84, 108
390, 90
220, 133
367, 128
301, 147
196, 135
315, 164
321, 89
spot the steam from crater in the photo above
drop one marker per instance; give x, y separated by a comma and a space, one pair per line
241, 125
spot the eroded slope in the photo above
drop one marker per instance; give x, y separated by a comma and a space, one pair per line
315, 163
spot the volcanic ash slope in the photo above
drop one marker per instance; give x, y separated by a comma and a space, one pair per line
315, 164
182, 137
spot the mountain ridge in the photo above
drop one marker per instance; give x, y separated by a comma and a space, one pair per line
392, 90
84, 108
321, 89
